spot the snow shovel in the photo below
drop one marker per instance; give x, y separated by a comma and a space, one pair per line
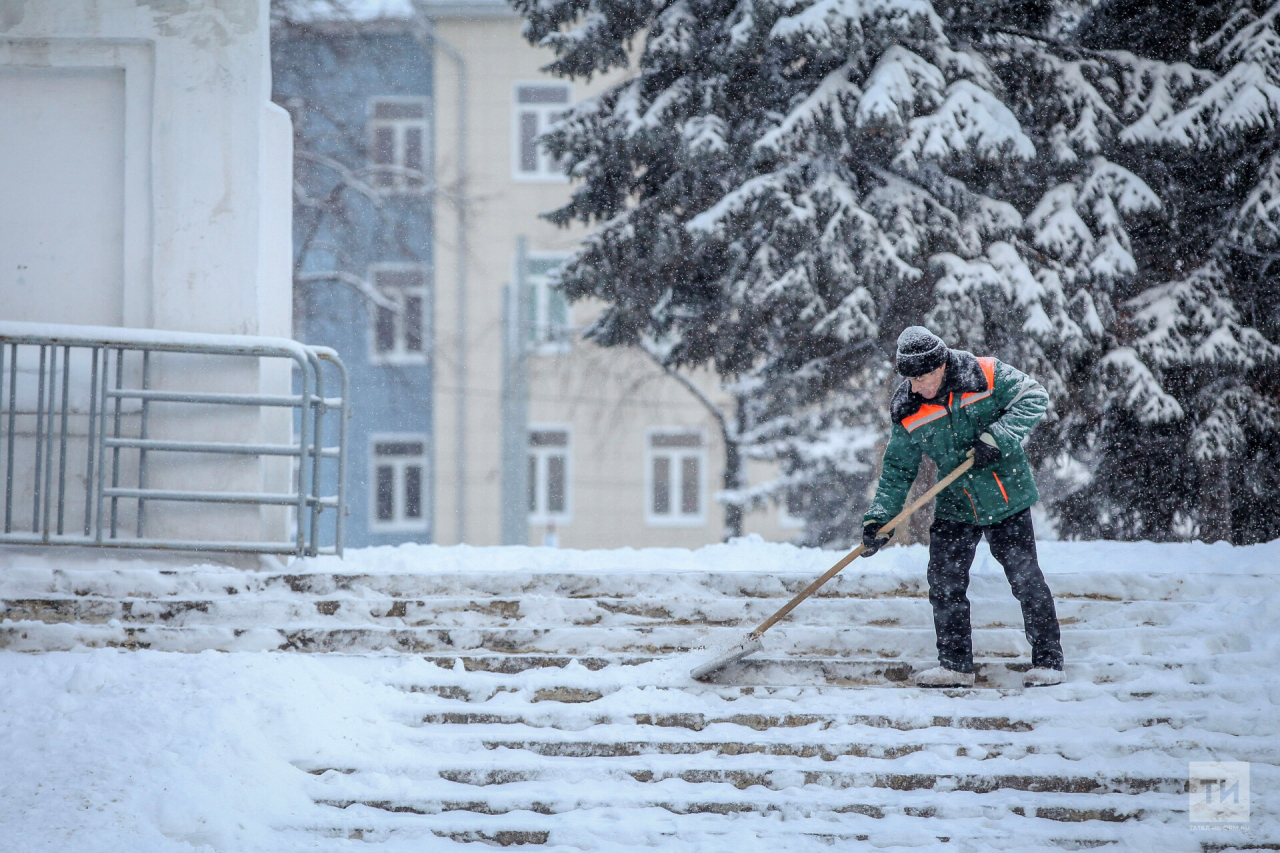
752, 643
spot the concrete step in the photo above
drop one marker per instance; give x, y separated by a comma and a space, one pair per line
798, 669
738, 745
871, 735
794, 829
673, 794
861, 759
549, 697
781, 684
851, 642
270, 611
24, 583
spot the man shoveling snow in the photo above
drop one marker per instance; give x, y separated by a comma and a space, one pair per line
950, 404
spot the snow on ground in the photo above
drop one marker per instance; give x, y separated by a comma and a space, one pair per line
748, 554
142, 751
102, 749
753, 554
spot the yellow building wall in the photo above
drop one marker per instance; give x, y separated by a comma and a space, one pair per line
610, 399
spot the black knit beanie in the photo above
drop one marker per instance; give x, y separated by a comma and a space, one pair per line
920, 351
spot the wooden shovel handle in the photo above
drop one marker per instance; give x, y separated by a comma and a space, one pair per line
857, 552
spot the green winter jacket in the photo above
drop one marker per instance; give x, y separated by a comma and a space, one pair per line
980, 395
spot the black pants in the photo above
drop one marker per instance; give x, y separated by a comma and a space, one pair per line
1013, 544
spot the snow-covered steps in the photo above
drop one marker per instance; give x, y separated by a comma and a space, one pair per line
512, 576
526, 697
453, 612
864, 614
555, 755
845, 643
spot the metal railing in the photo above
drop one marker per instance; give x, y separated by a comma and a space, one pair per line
107, 433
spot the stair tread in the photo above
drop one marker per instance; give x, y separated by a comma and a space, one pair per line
762, 830
524, 612
1093, 585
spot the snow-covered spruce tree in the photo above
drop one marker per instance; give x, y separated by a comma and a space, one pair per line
1161, 118
1053, 297
1191, 359
1161, 388
781, 186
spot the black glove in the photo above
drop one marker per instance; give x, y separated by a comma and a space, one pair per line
985, 455
870, 544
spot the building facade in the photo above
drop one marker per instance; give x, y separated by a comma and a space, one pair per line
359, 89
618, 454
421, 256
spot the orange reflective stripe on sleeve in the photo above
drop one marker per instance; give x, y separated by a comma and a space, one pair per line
1001, 485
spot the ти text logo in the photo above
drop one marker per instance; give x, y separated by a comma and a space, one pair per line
1218, 794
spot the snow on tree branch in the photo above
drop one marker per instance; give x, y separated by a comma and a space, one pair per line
1138, 387
971, 122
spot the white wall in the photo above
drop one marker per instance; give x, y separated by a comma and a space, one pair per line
145, 181
139, 164
63, 178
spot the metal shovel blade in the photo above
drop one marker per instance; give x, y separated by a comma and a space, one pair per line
749, 646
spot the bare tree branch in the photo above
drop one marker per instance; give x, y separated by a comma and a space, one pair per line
646, 346
349, 177
355, 282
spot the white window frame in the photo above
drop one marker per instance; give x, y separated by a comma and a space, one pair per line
396, 181
538, 481
543, 337
547, 171
399, 523
400, 354
675, 518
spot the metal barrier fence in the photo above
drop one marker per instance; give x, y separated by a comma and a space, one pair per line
117, 438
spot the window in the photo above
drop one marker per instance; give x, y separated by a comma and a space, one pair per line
398, 483
398, 142
398, 336
677, 462
547, 310
548, 475
537, 105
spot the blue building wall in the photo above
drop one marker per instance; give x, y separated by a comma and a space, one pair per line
326, 80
